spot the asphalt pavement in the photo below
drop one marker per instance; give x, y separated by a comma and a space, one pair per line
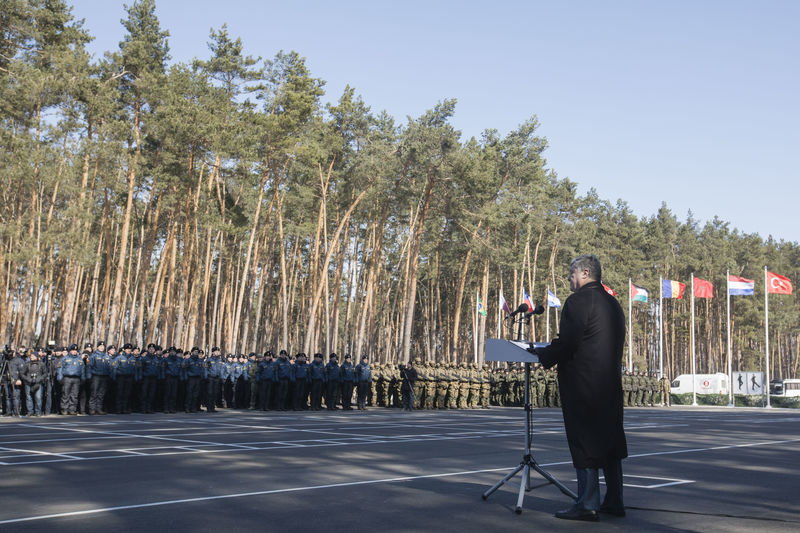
690, 469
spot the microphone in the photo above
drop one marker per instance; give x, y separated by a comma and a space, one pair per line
523, 308
537, 311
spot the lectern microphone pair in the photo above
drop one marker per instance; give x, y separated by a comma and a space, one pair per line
518, 352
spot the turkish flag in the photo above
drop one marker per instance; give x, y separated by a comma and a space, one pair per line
777, 284
703, 288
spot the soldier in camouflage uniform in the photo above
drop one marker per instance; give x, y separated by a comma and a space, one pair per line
381, 386
551, 384
463, 386
372, 395
505, 387
626, 388
440, 389
474, 386
483, 377
557, 389
451, 379
538, 385
419, 385
639, 388
429, 385
664, 385
652, 389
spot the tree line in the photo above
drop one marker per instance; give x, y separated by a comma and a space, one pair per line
222, 202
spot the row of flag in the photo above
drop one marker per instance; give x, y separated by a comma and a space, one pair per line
737, 286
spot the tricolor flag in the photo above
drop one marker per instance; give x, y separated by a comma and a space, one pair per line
777, 284
504, 304
526, 299
638, 294
481, 310
740, 286
552, 300
703, 288
608, 289
672, 289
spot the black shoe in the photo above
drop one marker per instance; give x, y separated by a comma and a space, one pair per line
616, 511
576, 513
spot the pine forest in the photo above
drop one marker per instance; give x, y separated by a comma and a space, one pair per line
222, 202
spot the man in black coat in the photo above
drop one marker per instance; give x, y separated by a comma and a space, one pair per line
588, 352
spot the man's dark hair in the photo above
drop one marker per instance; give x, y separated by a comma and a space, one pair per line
588, 262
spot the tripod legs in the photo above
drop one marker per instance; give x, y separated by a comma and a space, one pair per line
528, 464
503, 481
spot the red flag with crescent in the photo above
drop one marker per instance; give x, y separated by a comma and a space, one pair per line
777, 284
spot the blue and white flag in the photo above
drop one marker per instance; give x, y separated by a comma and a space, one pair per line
552, 300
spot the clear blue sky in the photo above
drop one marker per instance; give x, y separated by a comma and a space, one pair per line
692, 103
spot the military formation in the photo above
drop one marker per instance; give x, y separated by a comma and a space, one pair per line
644, 389
102, 379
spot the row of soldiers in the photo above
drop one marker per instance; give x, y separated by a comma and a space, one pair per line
102, 379
645, 389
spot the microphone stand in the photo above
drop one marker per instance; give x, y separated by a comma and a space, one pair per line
528, 462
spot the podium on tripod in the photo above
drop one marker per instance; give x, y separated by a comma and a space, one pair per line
517, 352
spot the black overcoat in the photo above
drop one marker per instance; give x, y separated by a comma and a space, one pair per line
588, 351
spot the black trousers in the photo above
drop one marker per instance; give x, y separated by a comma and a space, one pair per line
264, 394
70, 385
283, 391
300, 394
361, 394
347, 394
147, 394
316, 394
192, 400
212, 389
98, 395
171, 394
332, 394
124, 387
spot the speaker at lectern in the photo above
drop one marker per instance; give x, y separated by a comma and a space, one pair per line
512, 351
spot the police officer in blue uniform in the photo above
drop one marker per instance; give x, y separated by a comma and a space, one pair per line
194, 372
316, 374
100, 366
363, 382
215, 371
148, 370
124, 373
332, 380
301, 380
172, 374
283, 373
70, 373
266, 378
347, 376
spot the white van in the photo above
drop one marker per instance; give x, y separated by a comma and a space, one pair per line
704, 384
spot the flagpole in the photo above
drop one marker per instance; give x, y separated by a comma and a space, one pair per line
765, 382
477, 327
694, 381
661, 328
630, 324
548, 314
730, 366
